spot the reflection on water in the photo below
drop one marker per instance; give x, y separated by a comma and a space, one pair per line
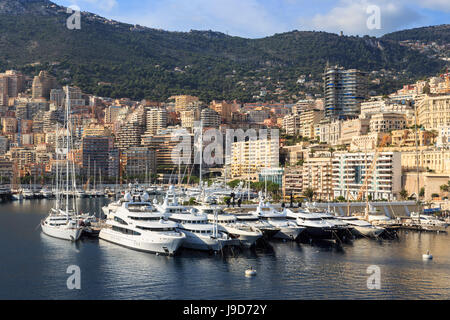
34, 266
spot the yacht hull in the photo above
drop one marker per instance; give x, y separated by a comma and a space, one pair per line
320, 233
62, 233
367, 232
246, 238
162, 245
289, 233
203, 243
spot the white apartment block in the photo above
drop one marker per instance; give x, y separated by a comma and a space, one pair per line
443, 139
385, 122
156, 120
381, 106
249, 157
291, 124
329, 132
350, 170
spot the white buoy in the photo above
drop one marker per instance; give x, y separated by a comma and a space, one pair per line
250, 272
427, 256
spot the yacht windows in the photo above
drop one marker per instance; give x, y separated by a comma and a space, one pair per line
156, 229
126, 231
145, 218
117, 219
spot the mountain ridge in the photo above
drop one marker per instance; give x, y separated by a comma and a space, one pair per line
142, 62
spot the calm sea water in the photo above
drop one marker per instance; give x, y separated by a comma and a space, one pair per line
33, 266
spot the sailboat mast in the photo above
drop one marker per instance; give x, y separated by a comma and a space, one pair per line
57, 167
417, 159
201, 153
67, 147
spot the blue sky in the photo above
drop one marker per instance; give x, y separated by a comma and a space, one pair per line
260, 18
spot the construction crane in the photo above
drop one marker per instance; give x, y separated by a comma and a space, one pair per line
369, 172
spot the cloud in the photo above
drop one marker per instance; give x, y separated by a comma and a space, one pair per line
351, 17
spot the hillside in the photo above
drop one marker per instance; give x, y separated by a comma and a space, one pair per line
139, 62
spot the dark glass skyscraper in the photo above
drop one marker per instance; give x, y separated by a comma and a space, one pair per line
344, 91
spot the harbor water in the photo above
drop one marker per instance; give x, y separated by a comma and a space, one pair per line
34, 266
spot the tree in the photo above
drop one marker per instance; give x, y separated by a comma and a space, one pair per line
309, 193
444, 188
422, 192
233, 183
403, 194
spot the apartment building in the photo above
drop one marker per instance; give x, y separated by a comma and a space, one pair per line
189, 117
436, 161
318, 175
96, 153
112, 114
139, 161
385, 122
407, 138
223, 108
344, 91
293, 181
352, 128
249, 157
210, 118
350, 171
156, 120
42, 84
182, 102
329, 131
308, 120
367, 142
291, 124
433, 112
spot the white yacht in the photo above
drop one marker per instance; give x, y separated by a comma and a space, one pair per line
378, 219
428, 220
342, 228
362, 227
46, 193
27, 194
136, 225
61, 225
252, 220
246, 235
62, 222
316, 227
288, 230
200, 234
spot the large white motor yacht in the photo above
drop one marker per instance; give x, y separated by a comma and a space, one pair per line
251, 219
362, 227
288, 230
246, 235
138, 226
200, 234
316, 227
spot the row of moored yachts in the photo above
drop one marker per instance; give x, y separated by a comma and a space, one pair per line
137, 223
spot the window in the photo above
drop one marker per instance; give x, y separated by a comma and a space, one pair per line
119, 220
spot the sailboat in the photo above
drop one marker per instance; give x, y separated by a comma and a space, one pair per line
62, 223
